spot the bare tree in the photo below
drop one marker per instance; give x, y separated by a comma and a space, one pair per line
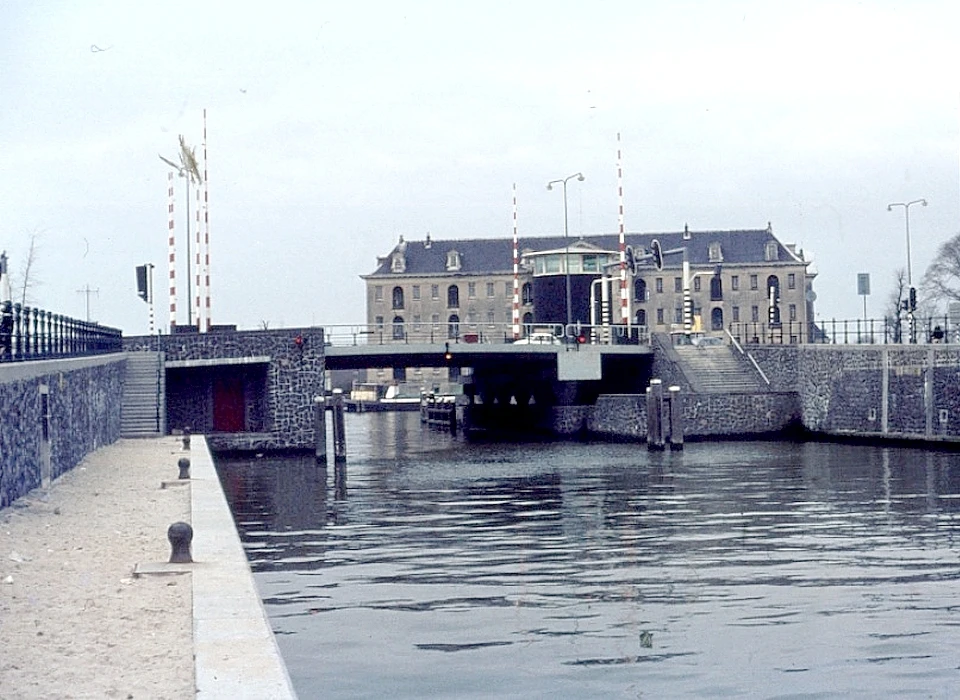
894, 308
941, 281
27, 279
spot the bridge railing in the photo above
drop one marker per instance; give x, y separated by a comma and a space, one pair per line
488, 333
875, 331
28, 333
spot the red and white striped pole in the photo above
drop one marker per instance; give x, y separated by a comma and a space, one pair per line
198, 293
516, 270
206, 227
624, 296
171, 252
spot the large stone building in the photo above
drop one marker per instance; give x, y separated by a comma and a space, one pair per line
746, 282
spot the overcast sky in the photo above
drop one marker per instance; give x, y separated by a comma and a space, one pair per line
334, 128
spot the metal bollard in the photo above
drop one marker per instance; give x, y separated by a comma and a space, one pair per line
320, 428
184, 465
339, 433
186, 438
180, 535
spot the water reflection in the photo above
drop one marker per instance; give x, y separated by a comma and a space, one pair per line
455, 570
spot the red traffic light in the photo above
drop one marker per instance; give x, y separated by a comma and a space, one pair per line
657, 253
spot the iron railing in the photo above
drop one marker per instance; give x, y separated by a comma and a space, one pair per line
870, 331
467, 332
28, 333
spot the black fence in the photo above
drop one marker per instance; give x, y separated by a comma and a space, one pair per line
880, 331
28, 333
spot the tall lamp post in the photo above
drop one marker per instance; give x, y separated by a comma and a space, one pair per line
911, 294
566, 234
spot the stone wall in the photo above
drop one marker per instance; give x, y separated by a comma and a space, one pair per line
84, 415
294, 375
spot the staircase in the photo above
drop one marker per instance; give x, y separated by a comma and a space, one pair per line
716, 369
143, 406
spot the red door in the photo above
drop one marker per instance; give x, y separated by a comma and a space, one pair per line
228, 405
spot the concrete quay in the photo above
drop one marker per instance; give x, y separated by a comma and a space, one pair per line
89, 606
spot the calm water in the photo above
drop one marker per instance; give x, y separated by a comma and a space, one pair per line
442, 569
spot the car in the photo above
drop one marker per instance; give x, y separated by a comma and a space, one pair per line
539, 338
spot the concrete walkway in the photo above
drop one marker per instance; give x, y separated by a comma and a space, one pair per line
81, 614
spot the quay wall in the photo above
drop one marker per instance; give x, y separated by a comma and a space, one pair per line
82, 414
900, 392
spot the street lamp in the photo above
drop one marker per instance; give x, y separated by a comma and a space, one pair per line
912, 296
906, 212
566, 232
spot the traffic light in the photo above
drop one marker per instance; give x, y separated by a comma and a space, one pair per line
143, 290
657, 252
447, 355
913, 299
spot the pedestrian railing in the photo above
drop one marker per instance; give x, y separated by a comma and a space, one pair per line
28, 333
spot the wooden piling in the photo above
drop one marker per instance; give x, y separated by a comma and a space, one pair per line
320, 428
655, 415
676, 418
339, 433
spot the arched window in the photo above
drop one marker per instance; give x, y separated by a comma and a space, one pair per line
716, 288
453, 297
771, 251
526, 293
398, 328
716, 319
639, 290
453, 325
527, 323
641, 317
398, 297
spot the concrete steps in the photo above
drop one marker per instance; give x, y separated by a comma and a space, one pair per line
144, 394
716, 369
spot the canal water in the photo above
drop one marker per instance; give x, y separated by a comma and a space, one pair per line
437, 568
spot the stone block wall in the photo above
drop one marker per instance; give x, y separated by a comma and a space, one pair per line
294, 376
84, 415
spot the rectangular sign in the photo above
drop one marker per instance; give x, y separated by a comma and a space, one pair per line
863, 284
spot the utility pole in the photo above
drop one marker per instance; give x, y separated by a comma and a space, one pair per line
86, 291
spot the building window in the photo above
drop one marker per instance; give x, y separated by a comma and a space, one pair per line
793, 312
453, 326
398, 264
678, 284
397, 328
378, 293
678, 315
379, 321
771, 252
735, 283
453, 297
415, 292
716, 319
660, 316
491, 317
696, 284
398, 297
715, 253
754, 313
736, 314
472, 318
508, 289
639, 291
490, 290
472, 290
435, 320
416, 322
453, 261
716, 288
641, 317
526, 293
659, 285
791, 281
753, 282
434, 291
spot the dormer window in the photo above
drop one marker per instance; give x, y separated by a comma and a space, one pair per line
715, 253
453, 261
398, 263
771, 252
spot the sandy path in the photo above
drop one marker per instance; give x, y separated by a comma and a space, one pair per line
74, 622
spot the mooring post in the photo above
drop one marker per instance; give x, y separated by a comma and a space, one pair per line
186, 437
320, 428
676, 418
183, 464
180, 535
339, 434
655, 415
